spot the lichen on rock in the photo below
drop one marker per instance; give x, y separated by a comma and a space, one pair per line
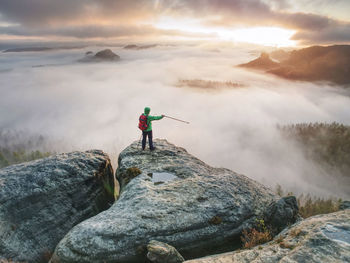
322, 238
159, 252
203, 211
42, 200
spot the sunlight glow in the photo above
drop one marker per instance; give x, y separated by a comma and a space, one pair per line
266, 36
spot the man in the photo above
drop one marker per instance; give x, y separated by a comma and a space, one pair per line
148, 131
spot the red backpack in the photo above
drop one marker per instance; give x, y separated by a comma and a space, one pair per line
143, 122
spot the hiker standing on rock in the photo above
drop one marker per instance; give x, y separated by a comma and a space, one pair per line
145, 125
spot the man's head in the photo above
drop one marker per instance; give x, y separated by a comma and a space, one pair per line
147, 110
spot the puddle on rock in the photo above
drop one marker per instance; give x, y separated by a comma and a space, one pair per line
162, 177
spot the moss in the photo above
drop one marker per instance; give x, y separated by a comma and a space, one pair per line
130, 174
105, 180
279, 239
295, 232
108, 187
284, 244
215, 220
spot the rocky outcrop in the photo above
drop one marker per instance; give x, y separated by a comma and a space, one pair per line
344, 205
170, 196
41, 201
281, 213
103, 55
322, 238
160, 252
106, 54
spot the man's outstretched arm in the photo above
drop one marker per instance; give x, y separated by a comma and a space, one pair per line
155, 118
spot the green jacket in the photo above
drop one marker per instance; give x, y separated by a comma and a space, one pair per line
150, 119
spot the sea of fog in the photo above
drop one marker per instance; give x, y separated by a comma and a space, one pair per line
80, 106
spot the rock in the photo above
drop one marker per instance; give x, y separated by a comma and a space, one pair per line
344, 205
136, 47
131, 46
106, 54
42, 200
103, 55
322, 238
160, 252
177, 199
282, 213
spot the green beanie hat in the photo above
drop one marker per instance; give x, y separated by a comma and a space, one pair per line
147, 110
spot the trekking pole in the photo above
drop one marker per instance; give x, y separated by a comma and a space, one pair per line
176, 119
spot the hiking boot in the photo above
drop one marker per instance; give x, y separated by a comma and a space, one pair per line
153, 149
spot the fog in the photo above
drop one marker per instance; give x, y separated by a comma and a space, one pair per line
80, 106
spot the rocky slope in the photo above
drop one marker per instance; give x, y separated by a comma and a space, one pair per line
42, 200
170, 196
322, 238
316, 63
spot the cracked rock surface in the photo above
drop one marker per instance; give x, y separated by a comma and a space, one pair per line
322, 238
40, 201
192, 206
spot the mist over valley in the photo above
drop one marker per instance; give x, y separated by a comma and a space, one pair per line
233, 112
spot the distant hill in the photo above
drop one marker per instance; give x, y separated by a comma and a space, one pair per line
103, 55
39, 49
106, 54
316, 63
263, 62
280, 55
136, 47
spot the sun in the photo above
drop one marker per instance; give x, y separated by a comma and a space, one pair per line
266, 36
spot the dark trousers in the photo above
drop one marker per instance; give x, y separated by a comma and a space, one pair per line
150, 141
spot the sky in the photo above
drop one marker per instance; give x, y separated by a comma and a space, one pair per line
281, 23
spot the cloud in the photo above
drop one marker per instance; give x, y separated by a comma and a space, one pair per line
86, 106
63, 12
96, 31
107, 18
311, 28
35, 12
